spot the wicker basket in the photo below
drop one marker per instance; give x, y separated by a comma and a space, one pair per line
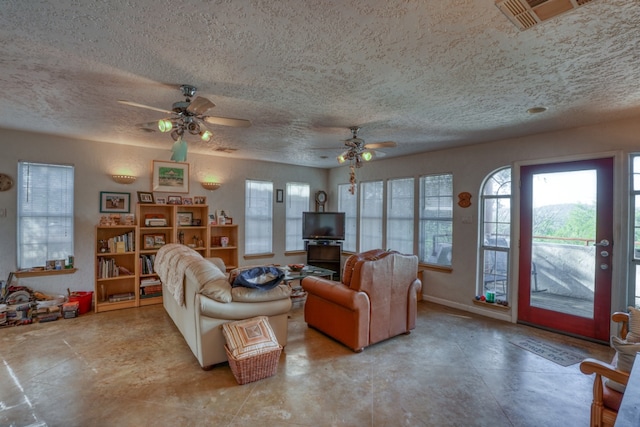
254, 368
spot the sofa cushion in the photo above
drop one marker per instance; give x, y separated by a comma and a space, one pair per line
218, 290
625, 355
634, 325
242, 294
250, 337
213, 282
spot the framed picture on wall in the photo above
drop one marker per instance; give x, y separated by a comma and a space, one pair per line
170, 177
115, 202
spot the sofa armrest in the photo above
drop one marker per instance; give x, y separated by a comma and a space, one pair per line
335, 292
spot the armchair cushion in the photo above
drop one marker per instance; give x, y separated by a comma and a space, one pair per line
634, 325
625, 355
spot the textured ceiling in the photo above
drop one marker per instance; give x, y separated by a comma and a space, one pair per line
426, 74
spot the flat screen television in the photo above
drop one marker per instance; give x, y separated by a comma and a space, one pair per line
323, 225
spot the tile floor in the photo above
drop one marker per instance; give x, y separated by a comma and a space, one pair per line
132, 368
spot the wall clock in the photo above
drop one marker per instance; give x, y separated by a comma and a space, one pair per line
321, 200
5, 182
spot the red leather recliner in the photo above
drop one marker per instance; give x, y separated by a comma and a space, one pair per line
376, 300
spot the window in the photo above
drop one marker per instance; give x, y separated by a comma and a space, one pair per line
371, 197
436, 219
348, 203
258, 216
297, 202
45, 213
634, 276
400, 215
495, 236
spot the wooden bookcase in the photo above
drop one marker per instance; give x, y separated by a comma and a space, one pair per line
217, 248
187, 222
152, 238
116, 267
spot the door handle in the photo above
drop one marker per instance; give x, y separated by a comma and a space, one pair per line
603, 242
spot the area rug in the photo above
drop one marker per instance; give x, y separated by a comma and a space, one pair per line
550, 352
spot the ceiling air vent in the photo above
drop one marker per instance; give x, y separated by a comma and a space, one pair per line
527, 13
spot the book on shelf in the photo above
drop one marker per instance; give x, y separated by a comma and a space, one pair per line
151, 289
153, 295
146, 264
125, 296
150, 281
122, 243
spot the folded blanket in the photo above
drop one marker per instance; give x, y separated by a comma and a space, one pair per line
171, 262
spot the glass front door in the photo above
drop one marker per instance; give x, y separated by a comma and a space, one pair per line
565, 247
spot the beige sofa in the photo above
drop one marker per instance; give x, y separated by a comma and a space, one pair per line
199, 298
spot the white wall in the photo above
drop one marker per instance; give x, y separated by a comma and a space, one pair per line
95, 163
471, 164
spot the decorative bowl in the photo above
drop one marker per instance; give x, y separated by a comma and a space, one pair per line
295, 267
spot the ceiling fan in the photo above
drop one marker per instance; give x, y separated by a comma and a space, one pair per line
358, 152
187, 116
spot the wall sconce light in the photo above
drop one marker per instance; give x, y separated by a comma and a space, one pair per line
211, 186
124, 179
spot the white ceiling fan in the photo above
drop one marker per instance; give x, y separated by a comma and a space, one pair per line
187, 116
358, 152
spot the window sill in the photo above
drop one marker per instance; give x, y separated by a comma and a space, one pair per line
37, 273
256, 256
491, 305
433, 267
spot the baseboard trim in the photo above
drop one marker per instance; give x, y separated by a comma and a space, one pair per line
472, 309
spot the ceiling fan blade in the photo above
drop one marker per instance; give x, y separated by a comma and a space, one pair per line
226, 121
149, 125
377, 153
200, 106
385, 144
135, 104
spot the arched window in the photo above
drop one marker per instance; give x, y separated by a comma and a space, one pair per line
495, 236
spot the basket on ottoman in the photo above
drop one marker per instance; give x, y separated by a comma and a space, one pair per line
252, 349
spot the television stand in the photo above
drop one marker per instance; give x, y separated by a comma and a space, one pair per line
325, 254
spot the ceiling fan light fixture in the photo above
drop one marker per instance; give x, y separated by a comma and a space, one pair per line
367, 155
165, 125
206, 135
342, 158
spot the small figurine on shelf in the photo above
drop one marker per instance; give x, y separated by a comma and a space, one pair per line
222, 218
181, 238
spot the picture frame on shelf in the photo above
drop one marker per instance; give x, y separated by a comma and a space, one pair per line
174, 200
228, 220
185, 218
149, 241
153, 241
159, 240
145, 197
170, 177
187, 201
161, 200
200, 200
111, 202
